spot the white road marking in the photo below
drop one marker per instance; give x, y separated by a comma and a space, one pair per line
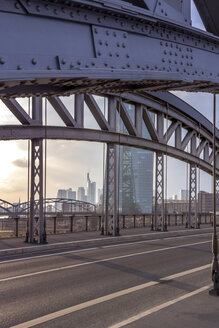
100, 261
103, 247
112, 296
159, 307
98, 239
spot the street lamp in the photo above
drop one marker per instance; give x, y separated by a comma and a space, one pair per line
215, 277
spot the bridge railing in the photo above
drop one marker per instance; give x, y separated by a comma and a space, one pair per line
16, 227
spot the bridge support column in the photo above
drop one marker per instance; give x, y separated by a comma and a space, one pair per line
111, 215
193, 198
159, 217
37, 231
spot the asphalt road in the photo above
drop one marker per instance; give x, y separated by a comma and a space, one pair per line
134, 284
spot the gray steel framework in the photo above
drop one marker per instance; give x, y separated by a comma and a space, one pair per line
182, 131
127, 46
193, 214
111, 201
37, 229
159, 215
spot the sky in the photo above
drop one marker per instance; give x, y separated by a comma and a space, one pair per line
69, 161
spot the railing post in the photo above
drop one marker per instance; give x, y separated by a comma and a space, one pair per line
86, 223
54, 225
16, 226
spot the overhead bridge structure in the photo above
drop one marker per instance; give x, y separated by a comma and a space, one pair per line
130, 52
64, 47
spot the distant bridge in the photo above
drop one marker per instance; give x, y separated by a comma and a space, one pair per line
51, 206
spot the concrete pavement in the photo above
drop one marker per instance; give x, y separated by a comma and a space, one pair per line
106, 285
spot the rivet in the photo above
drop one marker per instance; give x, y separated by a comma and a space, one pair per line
55, 11
19, 67
63, 61
78, 62
110, 54
117, 54
114, 34
38, 8
100, 42
2, 61
107, 32
71, 14
49, 67
96, 31
34, 62
17, 5
99, 53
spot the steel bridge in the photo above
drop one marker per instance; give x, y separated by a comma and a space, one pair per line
51, 206
125, 51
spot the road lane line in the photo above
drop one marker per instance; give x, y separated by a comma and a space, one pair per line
103, 247
104, 239
106, 298
100, 261
159, 307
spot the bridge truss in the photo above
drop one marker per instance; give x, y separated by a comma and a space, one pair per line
171, 133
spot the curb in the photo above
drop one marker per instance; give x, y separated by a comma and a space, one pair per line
82, 243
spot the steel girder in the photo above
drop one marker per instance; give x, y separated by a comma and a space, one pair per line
63, 47
193, 200
182, 131
111, 224
37, 230
209, 12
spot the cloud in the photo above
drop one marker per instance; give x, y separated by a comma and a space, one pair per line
20, 162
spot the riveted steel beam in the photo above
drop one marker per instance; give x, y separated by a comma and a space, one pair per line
111, 214
62, 111
17, 111
123, 49
37, 231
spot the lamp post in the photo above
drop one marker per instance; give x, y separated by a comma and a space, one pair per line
215, 277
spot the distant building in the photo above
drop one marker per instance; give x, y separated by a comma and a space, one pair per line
183, 194
81, 194
135, 175
205, 202
71, 194
176, 206
62, 193
174, 197
91, 190
99, 195
93, 193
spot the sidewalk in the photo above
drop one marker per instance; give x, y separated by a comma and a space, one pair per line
11, 246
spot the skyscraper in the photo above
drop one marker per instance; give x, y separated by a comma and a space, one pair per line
135, 175
71, 194
62, 193
91, 190
81, 194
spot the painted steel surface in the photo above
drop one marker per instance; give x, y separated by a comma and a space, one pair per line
64, 47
